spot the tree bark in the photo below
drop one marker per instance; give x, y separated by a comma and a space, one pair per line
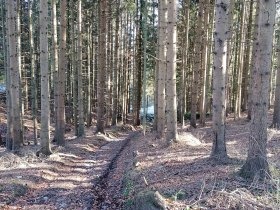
256, 165
204, 54
197, 63
32, 70
45, 95
116, 68
55, 63
246, 59
81, 123
219, 79
276, 112
253, 60
161, 77
171, 97
101, 76
60, 119
14, 71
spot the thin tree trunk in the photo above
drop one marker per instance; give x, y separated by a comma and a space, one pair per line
89, 57
81, 130
204, 68
240, 62
256, 165
45, 95
32, 70
219, 79
276, 112
197, 63
14, 70
74, 68
182, 107
55, 64
171, 107
116, 65
161, 68
18, 25
246, 59
101, 88
109, 69
144, 28
9, 143
60, 113
209, 58
253, 60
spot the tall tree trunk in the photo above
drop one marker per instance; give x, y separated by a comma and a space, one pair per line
81, 128
138, 76
155, 122
60, 113
9, 143
55, 62
89, 84
161, 77
219, 79
253, 60
246, 59
229, 72
74, 68
109, 69
182, 101
197, 63
240, 63
101, 88
21, 101
209, 58
116, 65
276, 112
256, 164
144, 27
14, 70
32, 70
19, 49
204, 54
171, 99
45, 95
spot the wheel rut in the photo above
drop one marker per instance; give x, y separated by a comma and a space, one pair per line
107, 190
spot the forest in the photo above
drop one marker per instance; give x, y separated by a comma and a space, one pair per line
139, 104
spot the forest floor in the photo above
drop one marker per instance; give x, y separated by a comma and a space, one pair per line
126, 170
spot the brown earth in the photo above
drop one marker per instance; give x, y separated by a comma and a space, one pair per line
126, 170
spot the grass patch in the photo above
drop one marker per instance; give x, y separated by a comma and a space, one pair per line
19, 189
180, 195
2, 188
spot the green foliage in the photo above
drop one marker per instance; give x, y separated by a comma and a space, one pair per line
128, 204
130, 6
1, 188
19, 189
180, 195
127, 192
128, 188
275, 173
2, 78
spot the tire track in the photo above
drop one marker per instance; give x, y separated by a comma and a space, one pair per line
107, 190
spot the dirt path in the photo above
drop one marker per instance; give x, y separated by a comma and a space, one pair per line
108, 188
102, 173
69, 178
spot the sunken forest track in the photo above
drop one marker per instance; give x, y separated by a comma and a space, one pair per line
107, 189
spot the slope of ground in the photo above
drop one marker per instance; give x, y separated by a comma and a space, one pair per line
188, 179
126, 170
65, 180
